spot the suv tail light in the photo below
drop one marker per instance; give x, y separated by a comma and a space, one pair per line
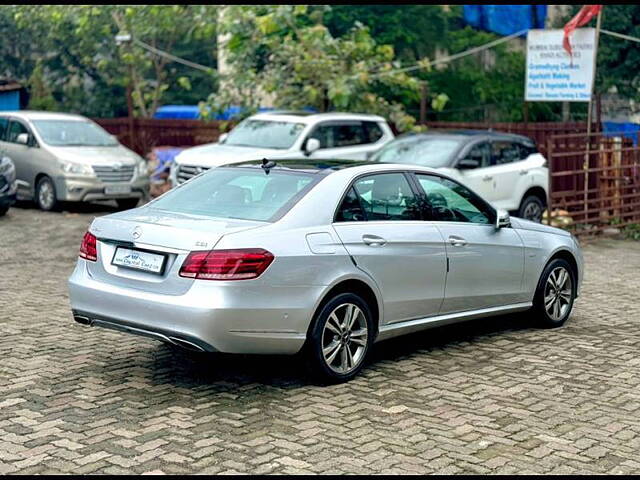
236, 264
88, 248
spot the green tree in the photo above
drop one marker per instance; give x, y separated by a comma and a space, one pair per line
285, 51
89, 72
40, 96
414, 31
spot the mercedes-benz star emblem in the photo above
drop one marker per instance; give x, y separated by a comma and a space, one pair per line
136, 232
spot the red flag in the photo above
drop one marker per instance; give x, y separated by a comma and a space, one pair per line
583, 17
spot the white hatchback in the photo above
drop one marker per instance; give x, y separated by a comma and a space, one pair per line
288, 135
505, 169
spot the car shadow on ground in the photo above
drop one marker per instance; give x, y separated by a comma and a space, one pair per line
226, 372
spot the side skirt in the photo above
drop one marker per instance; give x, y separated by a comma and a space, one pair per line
409, 326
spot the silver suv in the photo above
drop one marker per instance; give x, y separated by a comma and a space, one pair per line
63, 157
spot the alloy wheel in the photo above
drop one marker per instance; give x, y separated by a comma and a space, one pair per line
533, 212
557, 293
46, 195
344, 338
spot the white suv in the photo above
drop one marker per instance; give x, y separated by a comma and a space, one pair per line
282, 135
505, 169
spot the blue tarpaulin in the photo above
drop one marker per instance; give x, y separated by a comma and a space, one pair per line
192, 112
505, 19
10, 100
621, 129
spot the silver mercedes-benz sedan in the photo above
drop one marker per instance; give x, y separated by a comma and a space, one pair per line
324, 258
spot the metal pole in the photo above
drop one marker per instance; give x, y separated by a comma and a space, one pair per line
585, 165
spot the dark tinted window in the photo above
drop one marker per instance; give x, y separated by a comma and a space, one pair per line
336, 135
482, 153
15, 129
504, 152
449, 201
387, 196
374, 132
350, 210
4, 123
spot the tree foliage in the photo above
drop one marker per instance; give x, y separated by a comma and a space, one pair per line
88, 72
286, 53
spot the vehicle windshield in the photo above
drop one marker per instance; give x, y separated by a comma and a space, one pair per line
264, 134
73, 133
427, 151
244, 193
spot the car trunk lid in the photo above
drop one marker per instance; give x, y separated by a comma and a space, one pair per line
156, 232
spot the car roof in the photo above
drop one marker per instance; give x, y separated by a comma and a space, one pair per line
327, 167
309, 117
468, 134
41, 115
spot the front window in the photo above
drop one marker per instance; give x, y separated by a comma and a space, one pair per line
244, 193
265, 134
73, 133
448, 201
425, 151
384, 196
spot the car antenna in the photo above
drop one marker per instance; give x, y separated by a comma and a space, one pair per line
267, 165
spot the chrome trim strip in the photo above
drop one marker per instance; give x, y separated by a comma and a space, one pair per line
401, 328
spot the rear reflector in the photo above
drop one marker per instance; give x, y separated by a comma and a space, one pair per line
88, 249
237, 264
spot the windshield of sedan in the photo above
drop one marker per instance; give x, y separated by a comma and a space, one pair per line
427, 151
73, 133
265, 134
244, 193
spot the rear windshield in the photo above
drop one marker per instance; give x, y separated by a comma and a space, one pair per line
244, 193
428, 151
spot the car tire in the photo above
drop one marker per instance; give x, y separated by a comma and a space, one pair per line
336, 352
127, 203
3, 210
555, 294
45, 195
531, 208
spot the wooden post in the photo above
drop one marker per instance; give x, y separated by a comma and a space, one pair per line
423, 102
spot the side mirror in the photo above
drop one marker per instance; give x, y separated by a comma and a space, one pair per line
23, 138
222, 137
502, 219
312, 145
468, 163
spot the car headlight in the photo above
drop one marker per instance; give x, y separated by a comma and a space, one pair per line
141, 168
6, 165
77, 168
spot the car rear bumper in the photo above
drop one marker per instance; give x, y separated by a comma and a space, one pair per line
221, 318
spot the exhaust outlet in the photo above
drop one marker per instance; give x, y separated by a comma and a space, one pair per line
83, 320
187, 345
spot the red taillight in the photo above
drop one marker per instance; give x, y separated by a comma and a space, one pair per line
237, 264
88, 248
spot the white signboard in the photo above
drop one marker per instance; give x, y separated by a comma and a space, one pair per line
552, 75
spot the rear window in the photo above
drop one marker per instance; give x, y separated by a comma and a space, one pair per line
241, 193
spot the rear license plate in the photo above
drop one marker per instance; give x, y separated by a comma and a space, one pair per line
115, 189
139, 260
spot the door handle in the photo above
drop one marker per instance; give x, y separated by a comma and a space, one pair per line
373, 240
457, 241
487, 178
524, 172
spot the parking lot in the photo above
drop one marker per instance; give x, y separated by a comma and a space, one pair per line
492, 396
